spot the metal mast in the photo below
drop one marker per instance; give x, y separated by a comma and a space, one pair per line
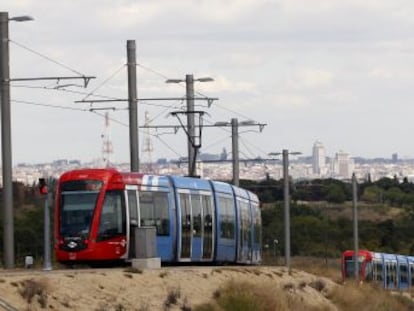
147, 148
107, 147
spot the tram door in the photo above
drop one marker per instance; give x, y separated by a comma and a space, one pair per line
244, 246
185, 220
197, 230
132, 218
208, 225
196, 227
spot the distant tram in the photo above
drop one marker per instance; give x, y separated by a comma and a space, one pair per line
196, 220
391, 271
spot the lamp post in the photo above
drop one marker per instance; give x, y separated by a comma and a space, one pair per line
189, 82
8, 222
286, 200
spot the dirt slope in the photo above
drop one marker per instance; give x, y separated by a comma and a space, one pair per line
126, 289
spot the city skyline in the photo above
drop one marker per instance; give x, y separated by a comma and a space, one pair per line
305, 70
311, 154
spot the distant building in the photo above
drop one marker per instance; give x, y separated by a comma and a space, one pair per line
223, 155
394, 157
343, 165
318, 159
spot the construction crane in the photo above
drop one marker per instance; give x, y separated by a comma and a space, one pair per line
147, 148
107, 147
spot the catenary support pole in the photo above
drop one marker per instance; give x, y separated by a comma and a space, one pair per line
235, 150
132, 103
355, 220
8, 222
192, 157
47, 262
286, 200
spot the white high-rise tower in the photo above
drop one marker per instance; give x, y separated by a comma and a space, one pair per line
318, 159
344, 165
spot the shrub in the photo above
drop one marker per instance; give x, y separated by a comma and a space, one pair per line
172, 297
32, 288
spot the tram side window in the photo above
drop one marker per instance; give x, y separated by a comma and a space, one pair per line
154, 211
227, 217
412, 274
207, 212
196, 213
368, 271
378, 271
257, 224
113, 220
403, 273
132, 204
245, 222
391, 273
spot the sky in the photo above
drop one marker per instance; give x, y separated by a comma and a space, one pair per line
335, 71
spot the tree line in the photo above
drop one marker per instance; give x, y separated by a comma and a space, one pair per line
321, 222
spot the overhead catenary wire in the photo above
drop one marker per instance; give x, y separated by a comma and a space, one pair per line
61, 90
46, 57
105, 81
47, 105
153, 71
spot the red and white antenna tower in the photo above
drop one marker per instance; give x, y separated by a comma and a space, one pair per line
107, 148
147, 148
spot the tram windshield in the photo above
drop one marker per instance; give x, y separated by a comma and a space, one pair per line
77, 203
350, 266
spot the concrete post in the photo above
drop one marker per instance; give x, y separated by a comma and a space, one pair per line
235, 150
8, 221
132, 103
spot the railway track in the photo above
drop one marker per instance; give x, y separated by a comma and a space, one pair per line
6, 306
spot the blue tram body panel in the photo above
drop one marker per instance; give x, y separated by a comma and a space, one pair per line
190, 183
378, 268
244, 225
402, 272
153, 183
256, 228
226, 226
166, 244
410, 260
390, 271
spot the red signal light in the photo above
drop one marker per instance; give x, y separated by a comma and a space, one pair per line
42, 186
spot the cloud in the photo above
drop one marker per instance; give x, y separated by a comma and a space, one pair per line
310, 78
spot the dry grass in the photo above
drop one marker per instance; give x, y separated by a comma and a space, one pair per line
172, 298
367, 297
243, 296
329, 268
34, 290
249, 297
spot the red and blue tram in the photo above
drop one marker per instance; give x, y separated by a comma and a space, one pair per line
196, 220
390, 271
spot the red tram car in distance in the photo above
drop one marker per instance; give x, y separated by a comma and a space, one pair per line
364, 264
196, 220
391, 271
